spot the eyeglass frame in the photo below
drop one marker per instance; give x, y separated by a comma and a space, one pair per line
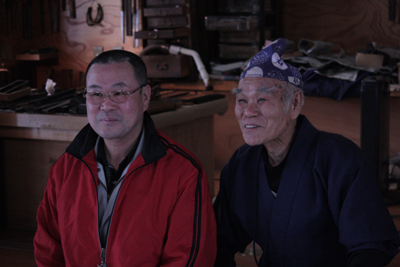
111, 94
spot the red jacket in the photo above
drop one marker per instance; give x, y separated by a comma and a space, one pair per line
162, 217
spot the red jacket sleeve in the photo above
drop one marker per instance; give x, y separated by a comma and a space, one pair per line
191, 238
47, 240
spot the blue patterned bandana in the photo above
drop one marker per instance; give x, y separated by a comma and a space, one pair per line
269, 64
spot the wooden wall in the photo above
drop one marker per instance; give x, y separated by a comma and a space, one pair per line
76, 39
349, 24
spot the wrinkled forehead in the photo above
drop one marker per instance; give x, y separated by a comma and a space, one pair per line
261, 84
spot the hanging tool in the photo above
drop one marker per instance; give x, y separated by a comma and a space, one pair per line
398, 11
63, 5
392, 10
16, 15
128, 17
133, 18
4, 16
50, 16
99, 16
12, 15
27, 18
56, 15
72, 9
122, 22
138, 10
42, 23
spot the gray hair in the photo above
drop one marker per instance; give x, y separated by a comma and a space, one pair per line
288, 92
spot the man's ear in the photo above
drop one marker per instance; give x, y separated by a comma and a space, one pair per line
146, 94
296, 104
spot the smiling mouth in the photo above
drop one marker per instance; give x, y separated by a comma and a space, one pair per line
250, 126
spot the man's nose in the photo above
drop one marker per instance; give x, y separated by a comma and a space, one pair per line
251, 110
107, 102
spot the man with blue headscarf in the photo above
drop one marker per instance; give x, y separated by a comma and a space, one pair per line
306, 197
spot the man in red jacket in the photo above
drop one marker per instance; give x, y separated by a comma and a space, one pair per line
123, 193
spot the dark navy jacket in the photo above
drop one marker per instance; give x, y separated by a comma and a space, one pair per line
328, 204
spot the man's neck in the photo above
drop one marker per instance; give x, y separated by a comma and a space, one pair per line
116, 152
278, 150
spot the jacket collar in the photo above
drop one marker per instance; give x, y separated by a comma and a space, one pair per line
153, 148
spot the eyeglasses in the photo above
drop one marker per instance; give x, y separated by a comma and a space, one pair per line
120, 96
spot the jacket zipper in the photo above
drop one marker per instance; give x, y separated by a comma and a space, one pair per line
104, 250
103, 258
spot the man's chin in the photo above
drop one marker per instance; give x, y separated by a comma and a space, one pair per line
252, 142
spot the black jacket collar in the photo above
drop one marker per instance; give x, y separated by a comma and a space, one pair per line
153, 148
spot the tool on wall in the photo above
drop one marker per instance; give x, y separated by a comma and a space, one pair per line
42, 23
56, 16
128, 17
122, 22
5, 6
63, 5
50, 16
138, 7
398, 11
134, 16
99, 16
392, 10
72, 9
27, 18
15, 23
12, 15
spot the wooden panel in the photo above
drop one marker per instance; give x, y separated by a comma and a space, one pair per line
167, 22
198, 137
349, 24
164, 2
227, 134
24, 170
163, 34
164, 11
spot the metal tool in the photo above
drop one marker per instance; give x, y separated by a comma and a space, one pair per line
398, 11
4, 15
99, 16
72, 9
50, 15
133, 19
27, 18
42, 23
14, 86
138, 8
12, 15
56, 15
392, 10
128, 17
122, 22
16, 11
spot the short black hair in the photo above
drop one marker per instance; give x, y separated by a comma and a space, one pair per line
121, 56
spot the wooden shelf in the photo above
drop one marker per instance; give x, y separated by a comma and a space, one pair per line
36, 57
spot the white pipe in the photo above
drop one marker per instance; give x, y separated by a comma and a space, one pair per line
173, 49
